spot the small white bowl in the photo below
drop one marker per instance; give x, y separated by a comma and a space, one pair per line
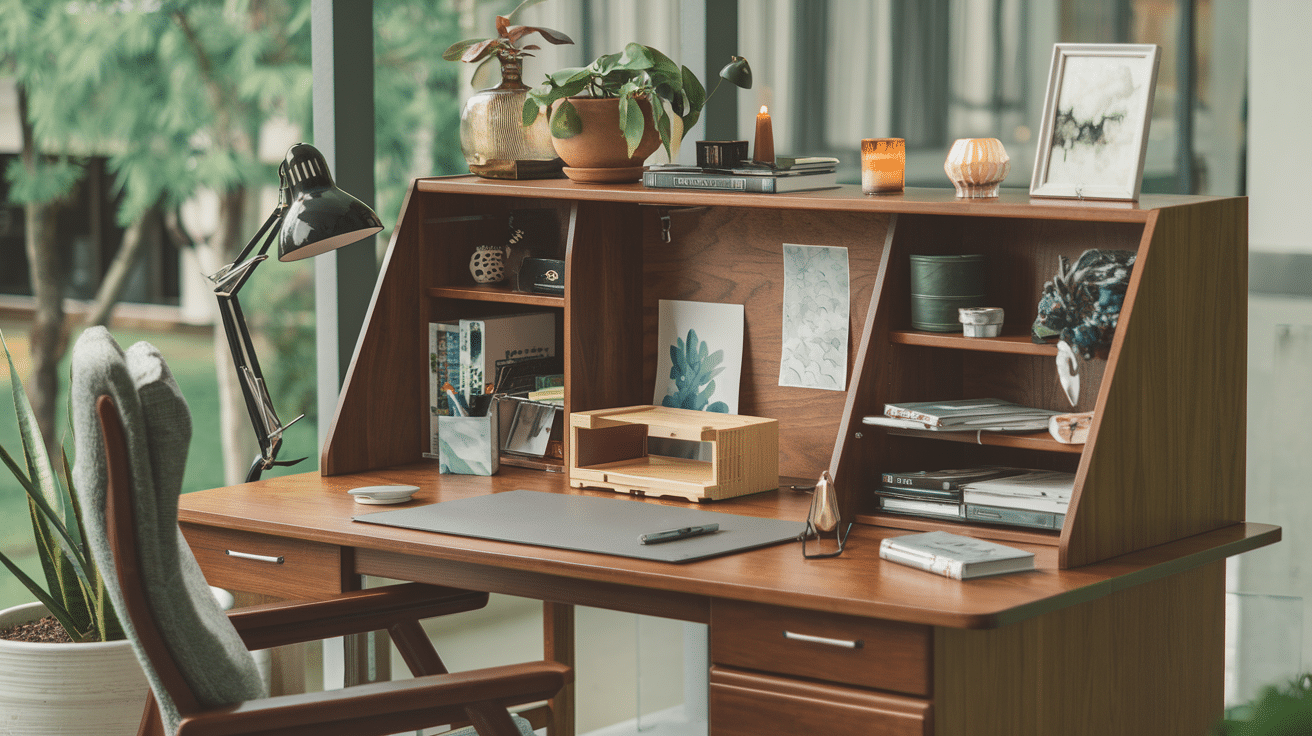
980, 321
383, 494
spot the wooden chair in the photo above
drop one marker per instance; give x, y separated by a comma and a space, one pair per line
206, 686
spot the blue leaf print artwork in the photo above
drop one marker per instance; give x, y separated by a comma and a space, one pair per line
693, 369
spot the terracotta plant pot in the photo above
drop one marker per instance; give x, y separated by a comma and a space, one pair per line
599, 153
68, 689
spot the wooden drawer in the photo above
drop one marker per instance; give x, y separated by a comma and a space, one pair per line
291, 569
753, 704
887, 655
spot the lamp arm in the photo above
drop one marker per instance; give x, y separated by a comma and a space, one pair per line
259, 405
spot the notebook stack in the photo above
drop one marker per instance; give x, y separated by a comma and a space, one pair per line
786, 175
936, 493
1037, 499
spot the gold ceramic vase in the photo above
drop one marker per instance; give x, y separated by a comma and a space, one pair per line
495, 142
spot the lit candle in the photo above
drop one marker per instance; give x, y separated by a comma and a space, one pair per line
764, 151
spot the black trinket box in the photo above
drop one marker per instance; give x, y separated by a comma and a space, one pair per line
542, 276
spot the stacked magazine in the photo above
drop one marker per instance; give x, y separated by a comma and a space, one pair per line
1038, 498
935, 493
963, 415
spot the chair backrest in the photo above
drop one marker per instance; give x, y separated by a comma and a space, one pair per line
132, 431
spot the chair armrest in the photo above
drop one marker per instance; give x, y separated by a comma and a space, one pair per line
278, 624
385, 707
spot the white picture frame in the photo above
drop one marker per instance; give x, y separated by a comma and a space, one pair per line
1096, 117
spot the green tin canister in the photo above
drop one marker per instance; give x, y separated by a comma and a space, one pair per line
940, 285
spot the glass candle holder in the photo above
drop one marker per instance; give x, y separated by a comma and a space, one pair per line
883, 165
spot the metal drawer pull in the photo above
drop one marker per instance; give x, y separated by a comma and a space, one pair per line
258, 558
844, 643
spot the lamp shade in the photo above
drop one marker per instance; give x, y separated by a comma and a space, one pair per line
320, 217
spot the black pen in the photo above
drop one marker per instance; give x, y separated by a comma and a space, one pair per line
683, 533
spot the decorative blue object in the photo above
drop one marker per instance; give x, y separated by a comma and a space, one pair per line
693, 371
1081, 304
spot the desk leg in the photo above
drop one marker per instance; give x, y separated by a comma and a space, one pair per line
366, 657
558, 646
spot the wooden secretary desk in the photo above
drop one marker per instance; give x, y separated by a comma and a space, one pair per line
1118, 631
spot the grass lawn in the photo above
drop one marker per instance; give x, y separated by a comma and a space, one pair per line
191, 358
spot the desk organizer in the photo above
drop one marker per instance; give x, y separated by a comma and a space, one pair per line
608, 449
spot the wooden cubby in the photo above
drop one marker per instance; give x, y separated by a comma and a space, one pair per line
1165, 457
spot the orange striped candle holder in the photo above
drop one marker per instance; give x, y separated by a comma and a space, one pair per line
883, 165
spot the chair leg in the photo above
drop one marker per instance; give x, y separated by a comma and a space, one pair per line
151, 723
489, 719
416, 649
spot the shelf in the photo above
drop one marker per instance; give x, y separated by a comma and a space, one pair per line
1018, 344
500, 294
986, 531
1029, 440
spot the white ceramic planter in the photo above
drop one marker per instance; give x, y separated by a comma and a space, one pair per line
67, 689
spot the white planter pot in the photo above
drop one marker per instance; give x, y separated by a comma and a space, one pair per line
67, 689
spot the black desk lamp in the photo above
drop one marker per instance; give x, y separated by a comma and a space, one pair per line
313, 217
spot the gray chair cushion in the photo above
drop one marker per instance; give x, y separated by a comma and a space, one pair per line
157, 425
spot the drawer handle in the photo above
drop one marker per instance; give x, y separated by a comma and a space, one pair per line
844, 643
258, 558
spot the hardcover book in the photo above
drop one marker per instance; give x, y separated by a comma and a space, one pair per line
945, 480
955, 556
488, 343
735, 182
443, 358
920, 507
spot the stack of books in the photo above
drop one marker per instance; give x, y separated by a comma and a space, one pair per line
964, 415
1038, 499
933, 493
786, 175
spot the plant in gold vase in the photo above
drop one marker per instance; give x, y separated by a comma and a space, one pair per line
608, 117
495, 144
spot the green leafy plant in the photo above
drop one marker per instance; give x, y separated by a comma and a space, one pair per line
693, 369
638, 73
1276, 711
74, 592
505, 45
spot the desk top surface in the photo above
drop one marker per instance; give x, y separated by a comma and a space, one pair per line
316, 508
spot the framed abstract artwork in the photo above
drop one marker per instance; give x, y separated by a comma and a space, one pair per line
1095, 121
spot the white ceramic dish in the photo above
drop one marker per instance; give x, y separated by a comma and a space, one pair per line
383, 494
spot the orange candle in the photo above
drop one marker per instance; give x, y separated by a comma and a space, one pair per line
764, 151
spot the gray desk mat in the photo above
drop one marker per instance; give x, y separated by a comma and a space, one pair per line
590, 524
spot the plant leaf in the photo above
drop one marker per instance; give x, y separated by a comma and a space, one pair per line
565, 121
503, 25
632, 123
553, 36
478, 50
521, 6
457, 49
56, 609
696, 94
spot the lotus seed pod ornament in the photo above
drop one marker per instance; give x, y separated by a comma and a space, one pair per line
488, 264
977, 166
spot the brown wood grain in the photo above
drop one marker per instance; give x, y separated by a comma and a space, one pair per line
308, 571
1145, 660
1165, 457
889, 656
558, 646
735, 256
317, 508
752, 703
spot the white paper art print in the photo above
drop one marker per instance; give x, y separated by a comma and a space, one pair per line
1095, 121
699, 356
816, 307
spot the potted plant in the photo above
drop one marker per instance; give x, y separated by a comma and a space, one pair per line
92, 684
604, 123
493, 142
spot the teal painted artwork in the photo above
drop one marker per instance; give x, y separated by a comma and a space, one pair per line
699, 356
693, 369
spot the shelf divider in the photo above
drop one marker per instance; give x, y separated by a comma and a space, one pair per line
1016, 343
496, 294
